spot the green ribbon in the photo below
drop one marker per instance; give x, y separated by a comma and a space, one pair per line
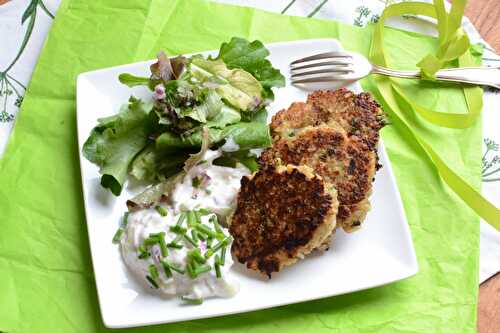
454, 47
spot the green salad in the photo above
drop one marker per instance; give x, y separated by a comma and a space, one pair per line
225, 96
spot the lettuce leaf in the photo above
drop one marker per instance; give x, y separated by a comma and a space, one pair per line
247, 135
153, 166
238, 87
245, 157
251, 57
113, 144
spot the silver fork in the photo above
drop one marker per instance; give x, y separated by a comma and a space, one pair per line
343, 68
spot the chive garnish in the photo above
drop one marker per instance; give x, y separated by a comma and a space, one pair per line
191, 218
181, 219
217, 247
190, 269
196, 182
144, 255
220, 236
125, 219
201, 269
143, 252
196, 256
190, 240
150, 241
152, 282
194, 235
153, 271
203, 211
163, 246
178, 229
118, 236
201, 236
209, 241
166, 269
217, 267
174, 245
218, 229
198, 215
162, 211
177, 269
206, 230
222, 260
194, 301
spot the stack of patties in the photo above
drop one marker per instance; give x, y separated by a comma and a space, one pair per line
317, 175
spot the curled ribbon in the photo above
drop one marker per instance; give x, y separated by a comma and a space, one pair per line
453, 45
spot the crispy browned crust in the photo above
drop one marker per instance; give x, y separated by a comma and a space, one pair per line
357, 119
357, 114
282, 214
346, 162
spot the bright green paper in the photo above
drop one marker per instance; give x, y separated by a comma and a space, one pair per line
46, 279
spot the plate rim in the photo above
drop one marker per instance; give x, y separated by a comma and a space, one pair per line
412, 266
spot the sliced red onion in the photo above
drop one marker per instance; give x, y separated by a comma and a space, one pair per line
159, 93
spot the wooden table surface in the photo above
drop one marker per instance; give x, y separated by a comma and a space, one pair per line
485, 14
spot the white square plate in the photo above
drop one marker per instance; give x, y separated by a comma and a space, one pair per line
381, 252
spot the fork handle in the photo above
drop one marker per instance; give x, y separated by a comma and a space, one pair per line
486, 76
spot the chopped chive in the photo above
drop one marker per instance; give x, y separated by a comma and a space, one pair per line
175, 245
217, 267
178, 229
166, 269
151, 241
198, 216
190, 269
163, 247
152, 282
217, 247
118, 236
144, 255
191, 218
201, 236
193, 301
194, 235
220, 236
218, 229
209, 241
196, 182
222, 260
181, 219
206, 230
177, 269
157, 234
190, 240
153, 271
125, 219
196, 256
143, 252
203, 211
202, 269
162, 211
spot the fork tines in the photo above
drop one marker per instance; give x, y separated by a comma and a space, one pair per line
333, 63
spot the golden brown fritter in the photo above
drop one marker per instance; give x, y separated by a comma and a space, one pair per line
345, 162
357, 114
282, 214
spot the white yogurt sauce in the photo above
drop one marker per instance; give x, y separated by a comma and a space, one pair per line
215, 187
215, 190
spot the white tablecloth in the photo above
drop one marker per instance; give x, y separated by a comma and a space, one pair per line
17, 63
